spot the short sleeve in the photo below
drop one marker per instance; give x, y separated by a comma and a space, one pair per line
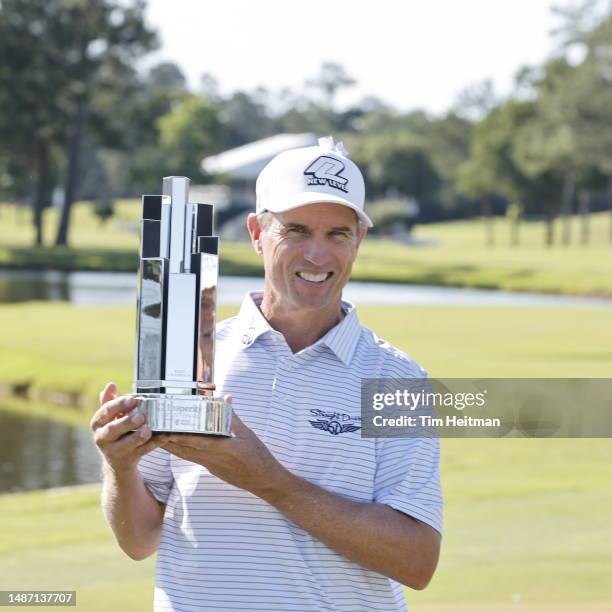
408, 478
155, 470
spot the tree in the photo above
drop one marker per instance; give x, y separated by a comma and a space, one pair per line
476, 101
209, 87
586, 95
398, 164
55, 54
447, 140
570, 133
90, 34
331, 79
439, 146
33, 114
166, 76
136, 122
594, 122
246, 117
514, 214
547, 141
492, 168
188, 133
576, 22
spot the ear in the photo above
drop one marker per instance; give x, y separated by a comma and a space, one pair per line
255, 232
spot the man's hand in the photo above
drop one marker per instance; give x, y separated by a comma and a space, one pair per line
242, 460
134, 515
113, 434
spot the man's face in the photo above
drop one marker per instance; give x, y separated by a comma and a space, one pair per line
308, 254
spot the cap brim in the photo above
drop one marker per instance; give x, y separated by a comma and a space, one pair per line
311, 197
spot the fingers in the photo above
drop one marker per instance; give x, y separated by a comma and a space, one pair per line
112, 409
125, 440
134, 441
119, 431
108, 393
119, 427
126, 451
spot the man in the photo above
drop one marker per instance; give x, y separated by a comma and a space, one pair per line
296, 511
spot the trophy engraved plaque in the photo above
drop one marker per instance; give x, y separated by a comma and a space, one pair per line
176, 315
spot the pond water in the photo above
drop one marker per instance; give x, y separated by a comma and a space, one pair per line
119, 288
38, 453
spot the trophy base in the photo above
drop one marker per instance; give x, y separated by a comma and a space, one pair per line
191, 414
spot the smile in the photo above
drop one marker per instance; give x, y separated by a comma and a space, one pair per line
314, 278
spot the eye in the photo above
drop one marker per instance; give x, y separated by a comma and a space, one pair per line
296, 231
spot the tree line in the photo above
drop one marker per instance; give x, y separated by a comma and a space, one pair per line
77, 113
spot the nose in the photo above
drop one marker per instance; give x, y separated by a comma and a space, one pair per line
316, 251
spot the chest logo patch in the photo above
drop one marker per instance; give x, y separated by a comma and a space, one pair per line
335, 423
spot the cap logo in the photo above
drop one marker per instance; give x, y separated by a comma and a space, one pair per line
326, 171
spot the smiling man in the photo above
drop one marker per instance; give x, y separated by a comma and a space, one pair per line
296, 511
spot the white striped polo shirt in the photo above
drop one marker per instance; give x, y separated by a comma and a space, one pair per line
223, 548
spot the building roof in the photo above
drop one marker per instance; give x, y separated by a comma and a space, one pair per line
247, 161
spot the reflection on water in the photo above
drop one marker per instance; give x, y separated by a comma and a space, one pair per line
21, 287
82, 288
38, 453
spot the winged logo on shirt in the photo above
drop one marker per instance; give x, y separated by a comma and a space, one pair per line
332, 424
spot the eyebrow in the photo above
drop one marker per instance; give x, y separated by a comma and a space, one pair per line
299, 226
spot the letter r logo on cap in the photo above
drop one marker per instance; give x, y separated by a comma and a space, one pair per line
327, 169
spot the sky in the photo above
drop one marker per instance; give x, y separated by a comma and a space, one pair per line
410, 54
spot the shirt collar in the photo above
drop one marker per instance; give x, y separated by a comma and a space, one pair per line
343, 337
251, 323
340, 339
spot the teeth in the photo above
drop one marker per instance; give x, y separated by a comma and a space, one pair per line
313, 278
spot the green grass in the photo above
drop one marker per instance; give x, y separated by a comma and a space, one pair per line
527, 522
578, 269
458, 258
58, 540
526, 519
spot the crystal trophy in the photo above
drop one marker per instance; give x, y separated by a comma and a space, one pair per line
176, 315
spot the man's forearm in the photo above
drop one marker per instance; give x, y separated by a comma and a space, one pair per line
373, 535
132, 512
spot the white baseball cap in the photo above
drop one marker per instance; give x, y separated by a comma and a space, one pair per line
312, 175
